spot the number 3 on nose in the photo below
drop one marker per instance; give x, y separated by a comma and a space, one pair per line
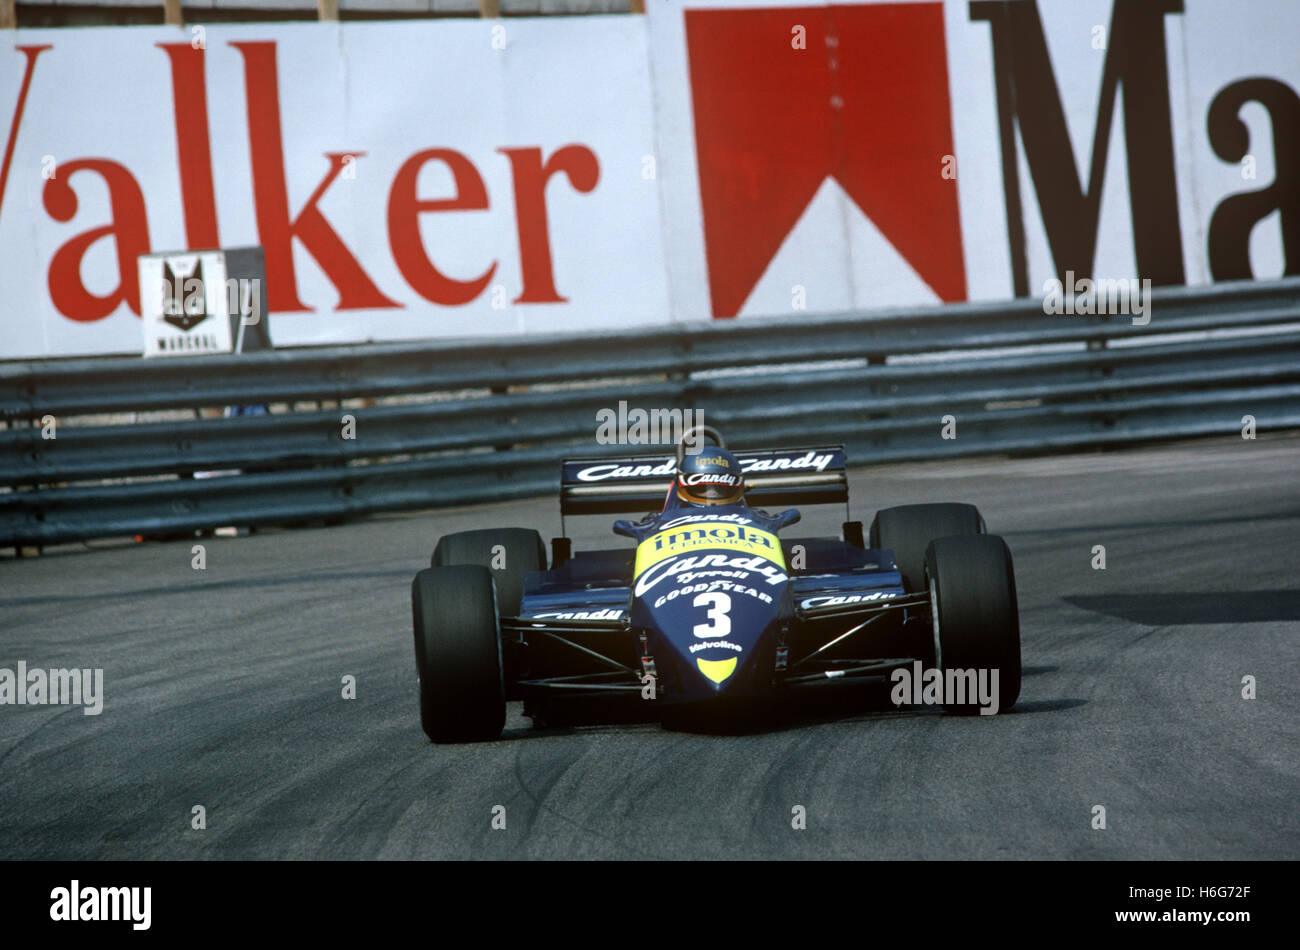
719, 624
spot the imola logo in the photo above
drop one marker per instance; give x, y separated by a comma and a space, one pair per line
75, 903
704, 532
703, 536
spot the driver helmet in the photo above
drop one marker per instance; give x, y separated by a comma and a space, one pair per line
710, 477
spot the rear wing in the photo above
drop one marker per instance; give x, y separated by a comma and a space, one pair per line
802, 476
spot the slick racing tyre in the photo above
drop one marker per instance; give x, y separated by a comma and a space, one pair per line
908, 530
976, 618
509, 553
458, 654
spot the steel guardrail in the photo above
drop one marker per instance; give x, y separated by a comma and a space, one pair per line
502, 413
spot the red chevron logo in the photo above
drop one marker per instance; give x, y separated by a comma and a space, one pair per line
866, 101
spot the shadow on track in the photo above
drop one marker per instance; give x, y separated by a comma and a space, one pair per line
797, 710
1171, 610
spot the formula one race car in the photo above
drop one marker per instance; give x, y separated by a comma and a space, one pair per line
710, 606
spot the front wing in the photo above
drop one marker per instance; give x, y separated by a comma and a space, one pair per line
821, 645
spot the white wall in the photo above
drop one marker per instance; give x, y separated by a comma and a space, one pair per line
819, 205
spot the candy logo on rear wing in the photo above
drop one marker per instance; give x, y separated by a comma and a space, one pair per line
802, 476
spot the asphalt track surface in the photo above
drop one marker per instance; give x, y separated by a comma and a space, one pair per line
223, 689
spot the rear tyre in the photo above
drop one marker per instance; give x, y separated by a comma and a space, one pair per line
509, 553
976, 618
908, 530
458, 654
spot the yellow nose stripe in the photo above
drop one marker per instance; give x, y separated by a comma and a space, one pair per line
717, 670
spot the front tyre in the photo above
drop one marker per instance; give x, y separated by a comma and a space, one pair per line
458, 654
976, 617
510, 553
907, 530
